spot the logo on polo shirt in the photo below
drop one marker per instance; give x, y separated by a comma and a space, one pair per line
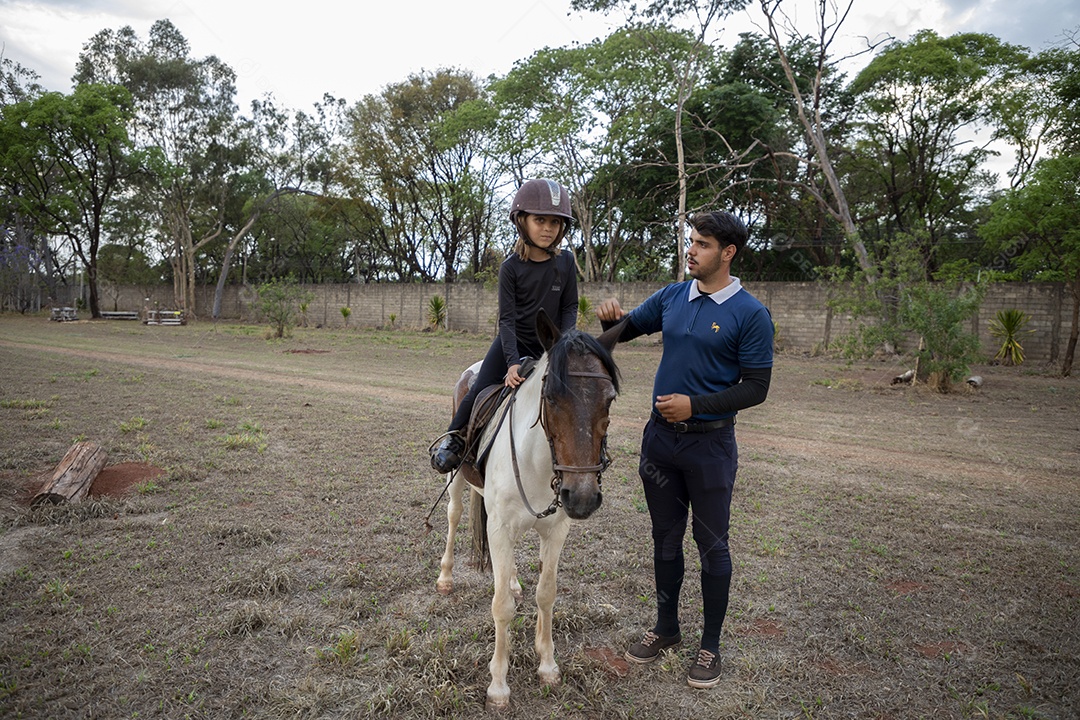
715, 328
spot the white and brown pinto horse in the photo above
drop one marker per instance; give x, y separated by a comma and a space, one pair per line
549, 450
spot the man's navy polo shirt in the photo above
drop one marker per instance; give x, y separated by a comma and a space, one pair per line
707, 338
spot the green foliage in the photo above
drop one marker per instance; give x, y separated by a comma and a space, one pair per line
345, 313
69, 157
916, 99
584, 313
938, 312
415, 144
436, 312
135, 423
1008, 325
279, 301
1039, 224
902, 303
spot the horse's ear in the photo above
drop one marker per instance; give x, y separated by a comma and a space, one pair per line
611, 336
546, 330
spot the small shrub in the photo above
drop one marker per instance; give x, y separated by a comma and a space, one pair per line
1008, 326
345, 313
278, 302
584, 313
437, 312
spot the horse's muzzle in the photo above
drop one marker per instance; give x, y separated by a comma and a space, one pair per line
580, 503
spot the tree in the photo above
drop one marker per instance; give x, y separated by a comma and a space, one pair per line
284, 152
17, 83
71, 157
808, 98
734, 119
411, 155
684, 67
1043, 218
124, 264
900, 302
1060, 67
24, 250
187, 111
920, 101
581, 110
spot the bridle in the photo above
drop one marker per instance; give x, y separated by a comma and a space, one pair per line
557, 468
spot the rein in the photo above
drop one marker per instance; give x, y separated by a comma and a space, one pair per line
557, 468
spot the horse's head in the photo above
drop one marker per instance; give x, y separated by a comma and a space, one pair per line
581, 382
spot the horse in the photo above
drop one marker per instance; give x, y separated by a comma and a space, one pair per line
548, 440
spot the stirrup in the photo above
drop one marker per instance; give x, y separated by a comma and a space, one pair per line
447, 455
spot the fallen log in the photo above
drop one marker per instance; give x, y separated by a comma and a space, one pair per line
72, 478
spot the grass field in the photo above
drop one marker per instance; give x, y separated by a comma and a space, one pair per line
898, 553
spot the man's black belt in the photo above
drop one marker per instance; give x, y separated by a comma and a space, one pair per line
694, 426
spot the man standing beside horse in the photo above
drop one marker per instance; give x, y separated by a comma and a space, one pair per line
717, 360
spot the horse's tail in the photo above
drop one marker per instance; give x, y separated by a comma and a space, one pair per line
481, 551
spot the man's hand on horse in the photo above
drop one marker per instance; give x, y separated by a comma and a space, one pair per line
609, 310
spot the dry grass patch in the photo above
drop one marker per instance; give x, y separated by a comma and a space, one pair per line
898, 553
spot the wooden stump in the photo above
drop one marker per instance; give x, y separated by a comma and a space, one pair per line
72, 478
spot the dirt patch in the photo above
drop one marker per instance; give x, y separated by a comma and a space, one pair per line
308, 351
905, 587
610, 659
116, 481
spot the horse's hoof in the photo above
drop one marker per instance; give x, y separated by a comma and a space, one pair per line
444, 588
497, 705
551, 679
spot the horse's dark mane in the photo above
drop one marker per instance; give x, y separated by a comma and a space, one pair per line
577, 343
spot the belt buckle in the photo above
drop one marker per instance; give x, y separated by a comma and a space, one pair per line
680, 427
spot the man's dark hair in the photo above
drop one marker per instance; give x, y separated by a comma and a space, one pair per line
724, 227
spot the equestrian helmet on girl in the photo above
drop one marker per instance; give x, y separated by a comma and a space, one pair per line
539, 197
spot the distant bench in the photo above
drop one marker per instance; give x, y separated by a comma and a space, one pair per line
165, 317
119, 315
64, 314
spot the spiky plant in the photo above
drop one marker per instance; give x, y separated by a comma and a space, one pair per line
1008, 325
584, 312
437, 312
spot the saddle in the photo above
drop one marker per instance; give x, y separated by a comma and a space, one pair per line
488, 401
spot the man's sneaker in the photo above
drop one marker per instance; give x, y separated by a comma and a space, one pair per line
648, 649
705, 672
447, 456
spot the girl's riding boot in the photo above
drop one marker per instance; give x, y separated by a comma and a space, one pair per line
446, 456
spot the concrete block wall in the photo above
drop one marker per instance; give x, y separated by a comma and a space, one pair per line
800, 309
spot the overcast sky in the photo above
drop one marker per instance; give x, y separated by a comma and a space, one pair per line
299, 51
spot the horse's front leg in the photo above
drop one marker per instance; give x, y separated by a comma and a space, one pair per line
502, 612
552, 540
445, 584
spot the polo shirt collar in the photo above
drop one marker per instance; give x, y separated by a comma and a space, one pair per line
717, 297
